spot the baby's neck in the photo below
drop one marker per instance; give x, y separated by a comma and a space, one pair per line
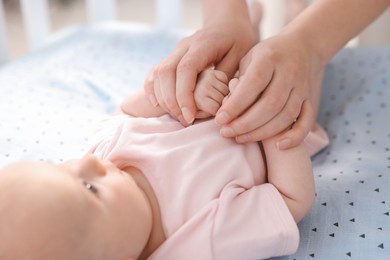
157, 235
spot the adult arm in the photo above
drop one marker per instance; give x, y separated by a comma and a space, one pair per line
329, 24
280, 77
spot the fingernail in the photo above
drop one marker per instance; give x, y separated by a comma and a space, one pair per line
187, 115
222, 118
283, 144
227, 132
224, 100
153, 100
233, 84
182, 121
243, 138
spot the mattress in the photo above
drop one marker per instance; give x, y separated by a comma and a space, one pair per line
52, 98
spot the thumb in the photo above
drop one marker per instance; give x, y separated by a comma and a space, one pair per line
228, 65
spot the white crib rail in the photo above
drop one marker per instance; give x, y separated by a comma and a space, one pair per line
37, 23
3, 36
168, 15
101, 10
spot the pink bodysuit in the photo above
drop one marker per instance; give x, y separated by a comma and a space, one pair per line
214, 201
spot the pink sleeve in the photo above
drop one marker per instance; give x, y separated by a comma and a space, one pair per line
253, 224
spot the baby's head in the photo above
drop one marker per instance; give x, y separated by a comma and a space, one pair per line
82, 209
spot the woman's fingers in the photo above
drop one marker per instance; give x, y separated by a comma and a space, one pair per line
277, 124
220, 44
271, 94
247, 123
166, 92
165, 80
296, 110
251, 84
196, 60
230, 61
278, 96
300, 128
149, 87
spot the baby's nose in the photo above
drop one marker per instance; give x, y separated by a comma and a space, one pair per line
90, 166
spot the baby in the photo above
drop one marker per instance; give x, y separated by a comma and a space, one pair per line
150, 188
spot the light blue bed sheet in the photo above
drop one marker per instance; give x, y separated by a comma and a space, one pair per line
51, 99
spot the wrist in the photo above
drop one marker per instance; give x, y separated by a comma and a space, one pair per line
327, 25
318, 51
224, 10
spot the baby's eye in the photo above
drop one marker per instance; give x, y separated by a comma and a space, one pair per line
90, 187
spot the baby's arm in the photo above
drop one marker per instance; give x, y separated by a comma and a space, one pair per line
290, 171
138, 105
210, 90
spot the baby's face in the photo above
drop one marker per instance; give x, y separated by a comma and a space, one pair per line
90, 195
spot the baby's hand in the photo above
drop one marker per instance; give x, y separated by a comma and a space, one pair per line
211, 88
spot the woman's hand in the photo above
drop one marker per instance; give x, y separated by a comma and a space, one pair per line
224, 39
273, 93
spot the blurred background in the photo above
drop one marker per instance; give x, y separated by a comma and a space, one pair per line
72, 12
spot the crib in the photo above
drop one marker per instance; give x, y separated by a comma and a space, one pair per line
51, 98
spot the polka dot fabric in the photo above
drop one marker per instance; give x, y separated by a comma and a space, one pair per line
51, 99
350, 218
